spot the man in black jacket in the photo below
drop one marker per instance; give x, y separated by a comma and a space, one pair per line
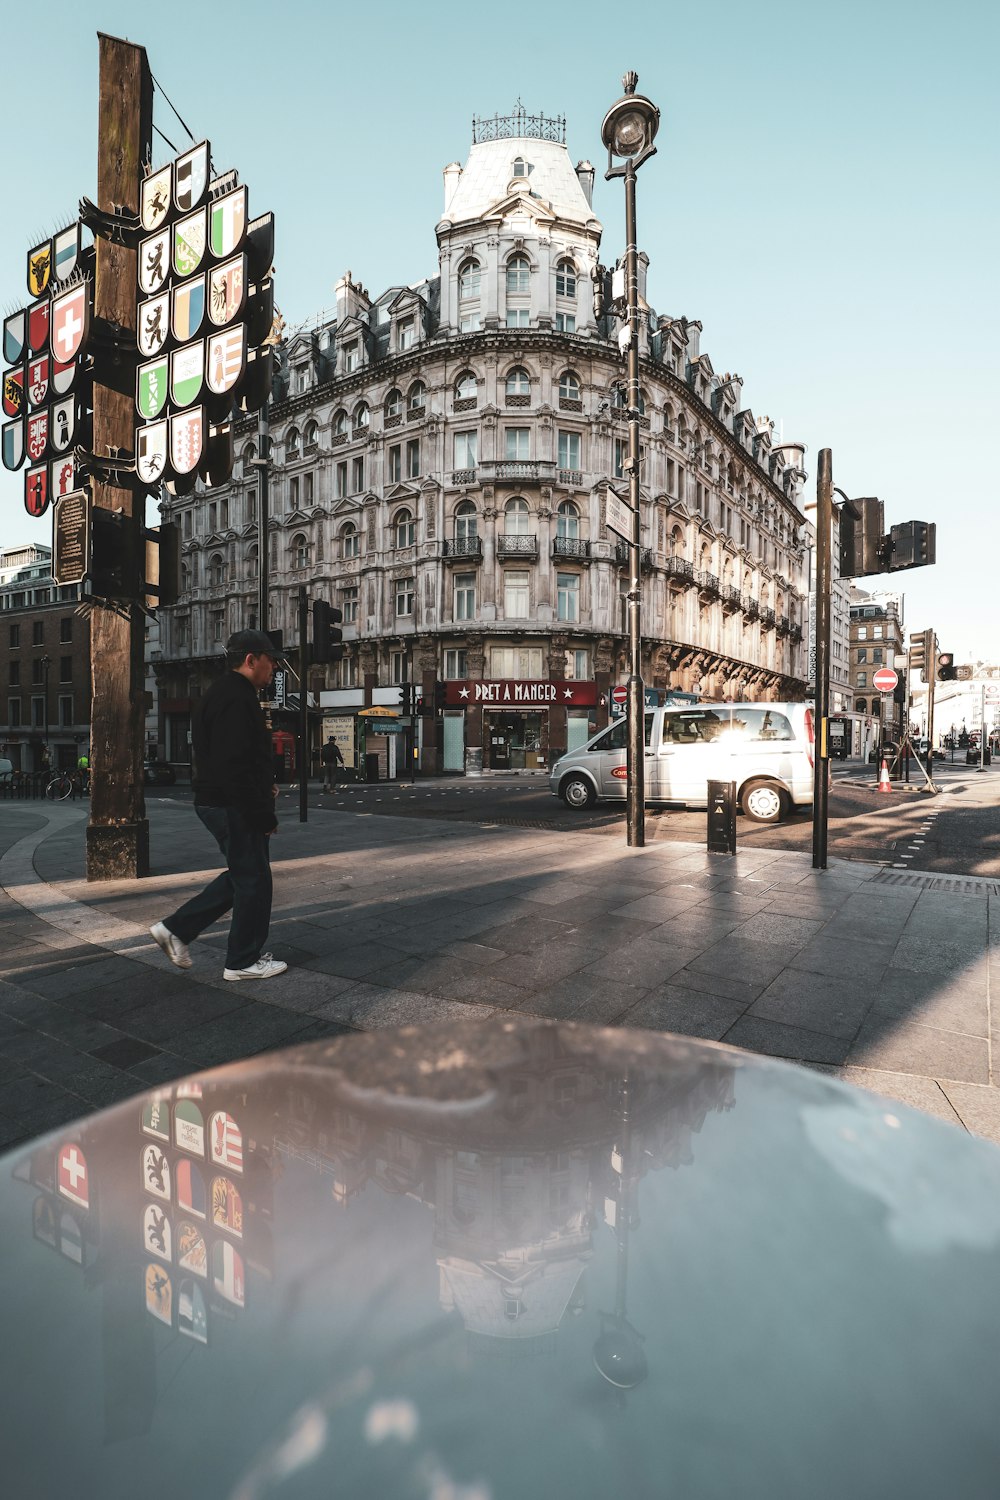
234, 796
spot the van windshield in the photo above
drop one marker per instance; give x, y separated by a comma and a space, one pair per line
616, 738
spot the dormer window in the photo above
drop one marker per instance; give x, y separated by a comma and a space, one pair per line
406, 335
520, 167
350, 357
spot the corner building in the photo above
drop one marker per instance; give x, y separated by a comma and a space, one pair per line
441, 457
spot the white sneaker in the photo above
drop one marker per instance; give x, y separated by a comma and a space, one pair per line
176, 951
266, 967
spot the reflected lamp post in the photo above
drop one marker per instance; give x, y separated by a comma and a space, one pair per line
46, 664
628, 131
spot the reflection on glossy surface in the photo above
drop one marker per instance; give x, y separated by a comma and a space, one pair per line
502, 1260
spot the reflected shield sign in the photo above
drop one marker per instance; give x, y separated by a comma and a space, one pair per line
187, 440
155, 205
70, 322
151, 452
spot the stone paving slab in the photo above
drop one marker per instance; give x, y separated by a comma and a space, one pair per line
390, 921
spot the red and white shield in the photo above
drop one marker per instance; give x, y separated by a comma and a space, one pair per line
62, 477
38, 381
13, 393
70, 322
73, 1179
36, 491
38, 326
62, 378
187, 440
37, 439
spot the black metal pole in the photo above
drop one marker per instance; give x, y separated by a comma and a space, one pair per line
303, 704
821, 764
636, 753
263, 466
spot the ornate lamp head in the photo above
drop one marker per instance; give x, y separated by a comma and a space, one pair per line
629, 128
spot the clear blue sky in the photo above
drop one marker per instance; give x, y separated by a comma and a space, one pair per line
824, 198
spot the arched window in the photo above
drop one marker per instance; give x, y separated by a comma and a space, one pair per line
518, 382
466, 522
705, 561
253, 563
185, 578
518, 275
469, 274
568, 521
677, 542
417, 398
516, 517
292, 443
300, 551
861, 705
248, 455
216, 569
311, 437
350, 541
565, 279
394, 403
569, 386
362, 416
747, 582
340, 423
404, 528
466, 387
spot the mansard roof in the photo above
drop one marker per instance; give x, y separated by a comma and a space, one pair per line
488, 177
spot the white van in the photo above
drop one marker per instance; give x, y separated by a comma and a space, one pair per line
766, 748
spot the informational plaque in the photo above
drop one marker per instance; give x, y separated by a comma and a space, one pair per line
71, 538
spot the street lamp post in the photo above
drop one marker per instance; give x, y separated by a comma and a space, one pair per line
46, 664
629, 128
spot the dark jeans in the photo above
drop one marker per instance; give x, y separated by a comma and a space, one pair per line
244, 888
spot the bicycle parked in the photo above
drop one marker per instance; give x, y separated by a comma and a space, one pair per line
59, 787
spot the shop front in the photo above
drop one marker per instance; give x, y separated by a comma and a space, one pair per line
516, 724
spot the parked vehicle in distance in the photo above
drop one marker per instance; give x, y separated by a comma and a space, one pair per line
766, 748
6, 771
158, 773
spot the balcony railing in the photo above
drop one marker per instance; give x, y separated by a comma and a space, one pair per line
751, 607
464, 548
680, 569
707, 583
781, 625
731, 598
570, 476
767, 619
463, 476
570, 546
796, 632
517, 546
622, 550
519, 468
465, 403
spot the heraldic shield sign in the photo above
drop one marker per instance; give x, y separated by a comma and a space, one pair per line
154, 262
13, 393
228, 218
153, 324
66, 252
38, 381
62, 424
37, 440
187, 440
191, 177
39, 268
187, 371
15, 337
62, 378
226, 359
188, 308
151, 452
189, 243
36, 491
62, 477
227, 290
13, 444
155, 205
38, 326
70, 322
151, 388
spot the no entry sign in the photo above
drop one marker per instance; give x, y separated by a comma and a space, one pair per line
885, 680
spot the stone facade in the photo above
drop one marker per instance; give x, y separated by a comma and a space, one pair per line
441, 457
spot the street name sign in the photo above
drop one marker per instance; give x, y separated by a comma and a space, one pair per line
618, 516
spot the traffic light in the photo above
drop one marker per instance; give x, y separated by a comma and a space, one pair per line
163, 565
921, 652
439, 696
406, 696
114, 555
912, 545
862, 523
946, 670
327, 634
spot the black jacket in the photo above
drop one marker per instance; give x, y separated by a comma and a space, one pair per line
233, 759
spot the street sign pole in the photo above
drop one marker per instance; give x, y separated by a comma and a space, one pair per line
303, 704
821, 761
118, 831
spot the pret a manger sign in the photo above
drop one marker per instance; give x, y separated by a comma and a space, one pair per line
520, 693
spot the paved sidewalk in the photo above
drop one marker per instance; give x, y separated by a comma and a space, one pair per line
880, 975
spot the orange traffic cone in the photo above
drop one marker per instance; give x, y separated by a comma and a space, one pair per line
883, 778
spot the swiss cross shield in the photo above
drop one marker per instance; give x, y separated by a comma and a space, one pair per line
37, 436
189, 243
72, 1176
14, 337
187, 439
62, 425
62, 477
228, 223
191, 177
151, 452
226, 359
38, 326
38, 381
39, 268
13, 393
13, 444
155, 204
36, 491
154, 262
188, 308
65, 252
151, 388
62, 378
187, 371
153, 324
70, 322
227, 291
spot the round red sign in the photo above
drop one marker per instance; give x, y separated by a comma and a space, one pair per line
619, 695
885, 680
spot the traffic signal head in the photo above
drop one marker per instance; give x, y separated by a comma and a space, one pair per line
946, 670
921, 652
163, 565
327, 634
115, 567
912, 545
860, 534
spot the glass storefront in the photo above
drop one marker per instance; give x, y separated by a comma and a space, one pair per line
512, 741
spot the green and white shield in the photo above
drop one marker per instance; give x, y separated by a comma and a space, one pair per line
228, 223
189, 243
151, 388
187, 371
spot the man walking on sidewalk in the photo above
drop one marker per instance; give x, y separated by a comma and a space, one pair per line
332, 759
234, 796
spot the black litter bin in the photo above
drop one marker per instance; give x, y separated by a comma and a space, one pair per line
722, 817
371, 768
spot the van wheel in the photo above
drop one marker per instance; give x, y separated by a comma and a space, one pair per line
577, 792
764, 802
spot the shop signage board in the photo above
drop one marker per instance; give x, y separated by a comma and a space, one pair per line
518, 693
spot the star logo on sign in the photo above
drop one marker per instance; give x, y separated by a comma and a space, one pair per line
568, 694
463, 692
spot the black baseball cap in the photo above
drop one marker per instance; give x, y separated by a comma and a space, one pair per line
252, 643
